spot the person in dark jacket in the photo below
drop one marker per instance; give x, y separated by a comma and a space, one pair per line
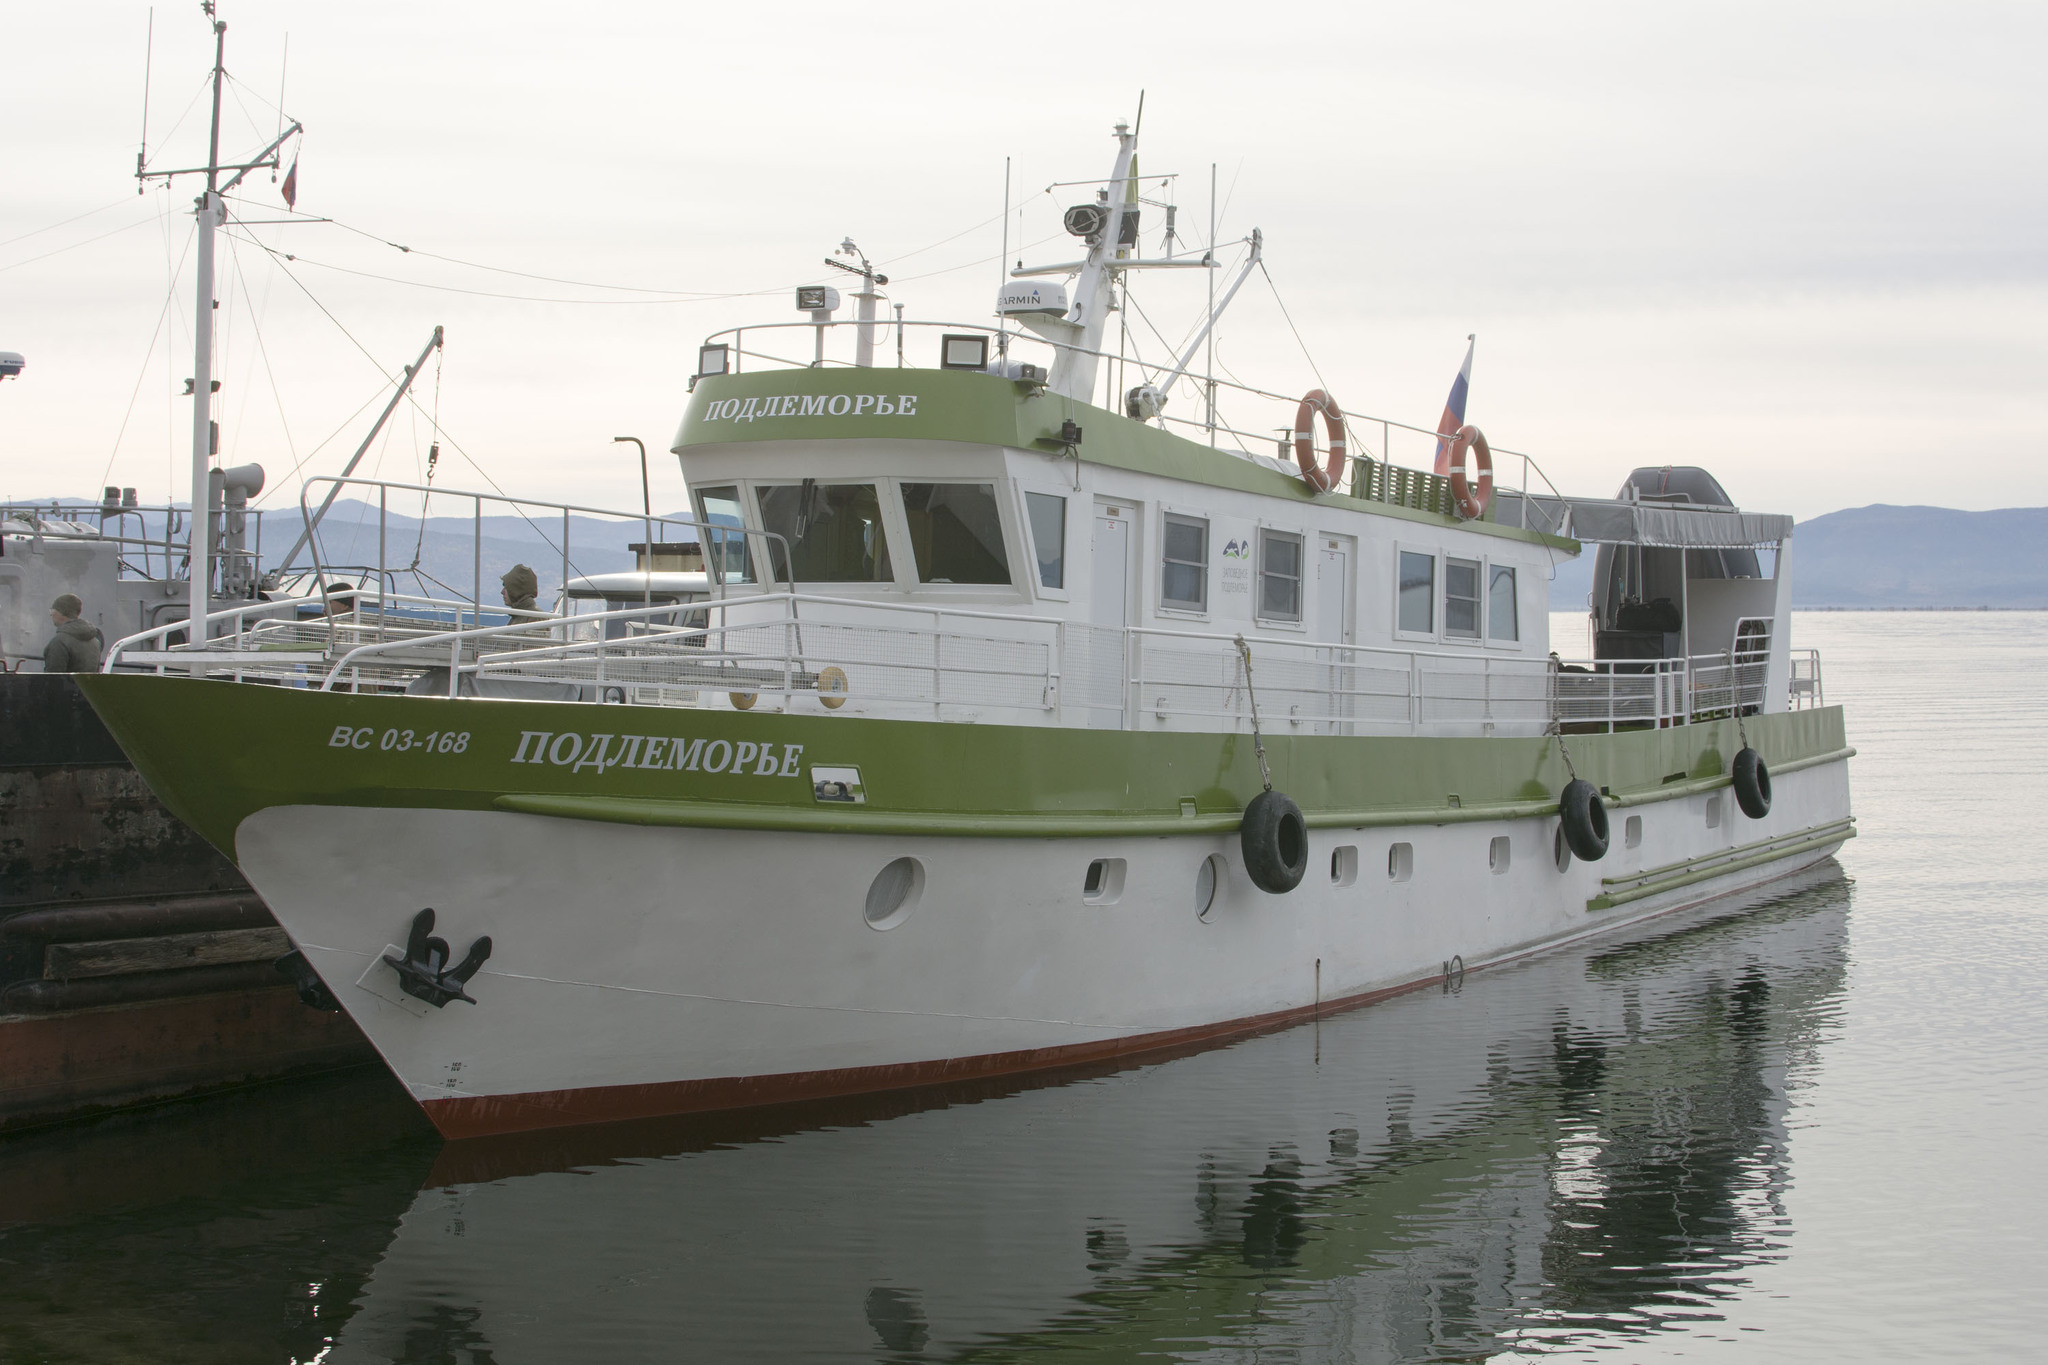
75, 648
521, 588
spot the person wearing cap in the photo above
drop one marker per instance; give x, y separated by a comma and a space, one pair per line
522, 588
75, 648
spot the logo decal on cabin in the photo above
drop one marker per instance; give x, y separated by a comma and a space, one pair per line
813, 405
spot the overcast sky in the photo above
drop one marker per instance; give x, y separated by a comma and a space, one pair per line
1800, 244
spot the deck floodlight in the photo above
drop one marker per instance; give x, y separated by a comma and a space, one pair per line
714, 360
816, 298
963, 352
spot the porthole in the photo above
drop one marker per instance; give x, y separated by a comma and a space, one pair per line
1103, 883
1560, 851
1632, 832
1713, 812
1400, 862
1208, 881
894, 893
1498, 854
1344, 865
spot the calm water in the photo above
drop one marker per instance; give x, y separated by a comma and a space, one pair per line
1806, 1127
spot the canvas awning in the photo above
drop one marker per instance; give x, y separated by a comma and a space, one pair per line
1610, 521
1606, 522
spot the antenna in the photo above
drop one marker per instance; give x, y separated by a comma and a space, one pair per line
283, 65
148, 58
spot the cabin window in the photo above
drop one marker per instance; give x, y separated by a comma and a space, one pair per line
834, 531
723, 552
1418, 592
1184, 566
956, 532
1501, 620
1279, 576
1461, 599
1049, 537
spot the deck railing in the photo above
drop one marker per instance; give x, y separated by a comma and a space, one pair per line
1268, 433
799, 650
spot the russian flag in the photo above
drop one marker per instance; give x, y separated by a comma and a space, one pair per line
1454, 410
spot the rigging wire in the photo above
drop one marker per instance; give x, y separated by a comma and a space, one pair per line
126, 198
169, 296
440, 432
256, 325
59, 251
1313, 367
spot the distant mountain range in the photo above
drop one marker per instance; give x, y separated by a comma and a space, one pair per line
1885, 556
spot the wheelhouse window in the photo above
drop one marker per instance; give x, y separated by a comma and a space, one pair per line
1418, 593
1279, 576
834, 531
1502, 622
1048, 514
1184, 566
724, 552
1461, 599
956, 532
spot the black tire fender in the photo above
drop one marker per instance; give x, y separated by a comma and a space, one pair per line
1275, 840
1584, 816
1752, 784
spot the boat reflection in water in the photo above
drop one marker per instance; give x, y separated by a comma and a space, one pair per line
1590, 1143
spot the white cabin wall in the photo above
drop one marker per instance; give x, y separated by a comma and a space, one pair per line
1235, 520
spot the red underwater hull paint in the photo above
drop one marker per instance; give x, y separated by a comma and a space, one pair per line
495, 1115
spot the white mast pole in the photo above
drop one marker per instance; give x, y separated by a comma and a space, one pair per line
1073, 373
200, 549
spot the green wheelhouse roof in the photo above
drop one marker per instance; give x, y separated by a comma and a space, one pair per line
974, 408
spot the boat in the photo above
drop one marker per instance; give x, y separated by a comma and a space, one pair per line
136, 964
1432, 1178
1018, 729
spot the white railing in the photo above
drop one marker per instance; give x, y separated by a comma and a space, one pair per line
1268, 433
1607, 693
931, 662
1317, 688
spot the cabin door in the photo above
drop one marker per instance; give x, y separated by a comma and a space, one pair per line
1336, 598
1110, 570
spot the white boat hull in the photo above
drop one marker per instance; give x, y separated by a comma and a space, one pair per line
640, 970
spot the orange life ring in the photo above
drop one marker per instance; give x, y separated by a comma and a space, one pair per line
1471, 505
1315, 400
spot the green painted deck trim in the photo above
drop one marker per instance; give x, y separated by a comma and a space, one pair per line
843, 819
868, 820
1694, 786
1673, 876
982, 409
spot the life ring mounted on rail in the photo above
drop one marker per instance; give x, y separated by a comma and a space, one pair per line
1320, 478
1470, 502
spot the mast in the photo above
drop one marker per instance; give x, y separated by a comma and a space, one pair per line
211, 210
1073, 373
200, 550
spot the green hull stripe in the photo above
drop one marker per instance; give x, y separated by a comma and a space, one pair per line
218, 752
626, 810
1676, 875
1707, 784
839, 819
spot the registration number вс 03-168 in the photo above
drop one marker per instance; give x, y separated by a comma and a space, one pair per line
399, 741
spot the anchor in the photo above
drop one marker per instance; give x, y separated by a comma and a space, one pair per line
424, 972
